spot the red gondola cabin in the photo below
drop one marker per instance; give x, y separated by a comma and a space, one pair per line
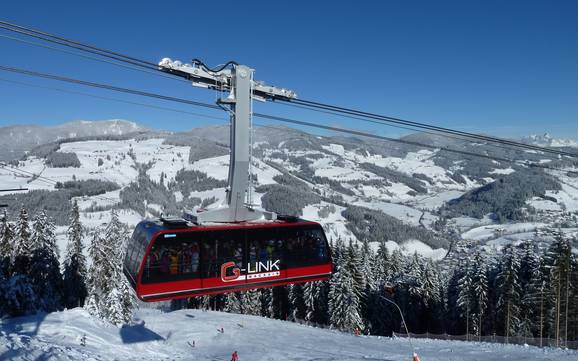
169, 259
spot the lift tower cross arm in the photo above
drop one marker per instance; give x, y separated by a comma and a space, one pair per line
238, 81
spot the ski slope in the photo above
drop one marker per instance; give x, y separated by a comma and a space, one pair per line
169, 336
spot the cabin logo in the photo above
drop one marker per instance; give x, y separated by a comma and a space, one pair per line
255, 270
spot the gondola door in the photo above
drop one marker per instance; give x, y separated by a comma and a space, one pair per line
223, 260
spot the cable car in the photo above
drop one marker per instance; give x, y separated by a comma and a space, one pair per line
234, 246
172, 258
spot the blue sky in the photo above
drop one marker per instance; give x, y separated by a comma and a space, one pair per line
500, 67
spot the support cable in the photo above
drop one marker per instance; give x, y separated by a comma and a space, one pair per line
270, 117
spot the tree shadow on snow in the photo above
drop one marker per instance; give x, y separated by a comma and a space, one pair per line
138, 333
24, 325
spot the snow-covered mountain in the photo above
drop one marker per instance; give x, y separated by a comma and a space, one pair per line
546, 140
419, 199
17, 139
171, 336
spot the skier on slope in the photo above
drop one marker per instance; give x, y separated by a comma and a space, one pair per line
234, 356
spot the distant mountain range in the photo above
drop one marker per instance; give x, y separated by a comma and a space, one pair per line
17, 139
417, 198
545, 140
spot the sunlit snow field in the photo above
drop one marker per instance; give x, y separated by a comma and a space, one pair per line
170, 336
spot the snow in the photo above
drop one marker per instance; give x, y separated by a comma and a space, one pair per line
402, 212
502, 171
415, 246
435, 201
413, 162
216, 167
333, 224
493, 231
410, 247
167, 336
544, 204
568, 195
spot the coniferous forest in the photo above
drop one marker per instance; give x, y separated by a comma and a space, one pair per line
521, 291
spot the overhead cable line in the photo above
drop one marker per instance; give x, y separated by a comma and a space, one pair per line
106, 86
383, 118
269, 117
402, 141
67, 91
449, 136
77, 45
317, 106
95, 58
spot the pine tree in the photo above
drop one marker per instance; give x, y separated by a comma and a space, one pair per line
234, 302
466, 294
99, 274
109, 295
44, 271
266, 298
252, 303
559, 260
344, 303
396, 264
480, 288
366, 267
382, 266
23, 245
6, 241
74, 275
309, 300
509, 291
353, 262
415, 275
532, 290
297, 302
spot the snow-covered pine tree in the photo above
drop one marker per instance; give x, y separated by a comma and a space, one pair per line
559, 260
532, 290
354, 264
44, 264
466, 294
382, 266
396, 263
415, 275
480, 290
22, 245
6, 244
109, 296
309, 300
344, 303
252, 303
234, 302
297, 302
509, 291
99, 274
367, 258
121, 296
205, 303
74, 273
266, 298
431, 285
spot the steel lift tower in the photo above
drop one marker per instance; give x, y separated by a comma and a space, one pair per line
238, 81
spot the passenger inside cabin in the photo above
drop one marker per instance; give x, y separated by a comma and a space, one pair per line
195, 258
174, 262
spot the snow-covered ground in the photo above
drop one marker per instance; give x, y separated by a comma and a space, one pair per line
169, 336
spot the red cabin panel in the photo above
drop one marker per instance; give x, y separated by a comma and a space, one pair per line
196, 261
